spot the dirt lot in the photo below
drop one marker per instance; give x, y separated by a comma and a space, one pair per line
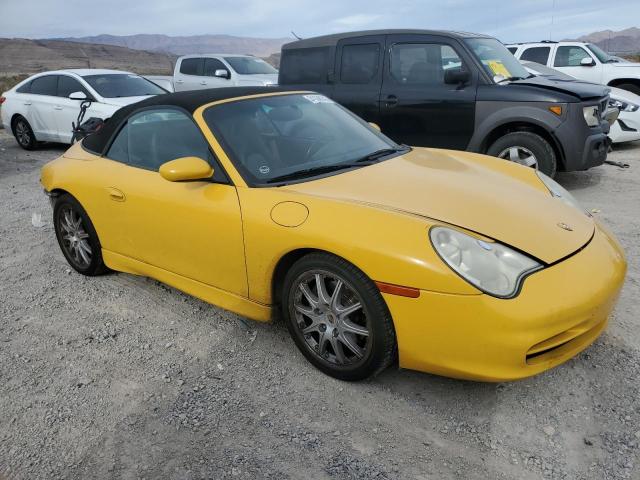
122, 377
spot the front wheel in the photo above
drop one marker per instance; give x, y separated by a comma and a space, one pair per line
526, 148
77, 237
630, 87
337, 317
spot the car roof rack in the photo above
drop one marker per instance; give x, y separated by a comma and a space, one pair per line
549, 41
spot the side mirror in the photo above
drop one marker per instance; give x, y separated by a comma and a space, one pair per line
587, 62
185, 169
78, 96
222, 73
456, 76
375, 125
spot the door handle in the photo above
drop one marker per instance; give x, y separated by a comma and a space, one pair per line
27, 103
391, 100
57, 107
203, 83
179, 81
116, 195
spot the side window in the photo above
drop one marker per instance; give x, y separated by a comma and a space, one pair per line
359, 63
68, 85
47, 85
512, 49
536, 54
211, 65
26, 88
570, 56
422, 63
305, 65
153, 137
191, 66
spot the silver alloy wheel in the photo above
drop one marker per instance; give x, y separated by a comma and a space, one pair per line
520, 155
75, 240
22, 133
330, 316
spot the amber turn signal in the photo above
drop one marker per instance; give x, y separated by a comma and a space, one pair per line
557, 109
398, 290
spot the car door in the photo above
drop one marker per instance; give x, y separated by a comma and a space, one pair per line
568, 60
190, 75
42, 101
67, 110
358, 75
417, 107
192, 229
211, 65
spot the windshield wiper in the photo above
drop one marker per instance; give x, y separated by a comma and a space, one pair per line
314, 171
383, 152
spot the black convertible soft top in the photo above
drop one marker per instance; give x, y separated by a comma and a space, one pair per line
189, 101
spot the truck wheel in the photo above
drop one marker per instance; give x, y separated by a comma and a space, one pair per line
527, 149
630, 87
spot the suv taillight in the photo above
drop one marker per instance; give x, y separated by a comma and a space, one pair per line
2, 99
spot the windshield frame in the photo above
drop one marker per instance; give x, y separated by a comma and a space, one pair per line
88, 80
239, 167
232, 58
511, 60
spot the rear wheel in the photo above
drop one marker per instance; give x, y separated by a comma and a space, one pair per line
76, 236
337, 317
630, 87
526, 148
24, 134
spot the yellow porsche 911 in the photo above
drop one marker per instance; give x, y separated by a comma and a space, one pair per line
261, 199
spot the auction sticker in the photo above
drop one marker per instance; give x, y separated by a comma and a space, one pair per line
318, 99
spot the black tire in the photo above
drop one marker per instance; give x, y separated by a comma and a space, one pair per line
543, 152
75, 255
630, 87
23, 133
378, 348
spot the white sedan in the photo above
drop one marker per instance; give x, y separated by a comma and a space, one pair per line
627, 127
40, 109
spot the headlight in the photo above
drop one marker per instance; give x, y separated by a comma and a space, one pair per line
490, 266
623, 106
558, 191
591, 115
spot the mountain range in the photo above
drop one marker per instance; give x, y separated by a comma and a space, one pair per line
261, 47
622, 42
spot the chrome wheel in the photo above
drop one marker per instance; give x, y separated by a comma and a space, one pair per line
23, 133
520, 155
75, 239
329, 315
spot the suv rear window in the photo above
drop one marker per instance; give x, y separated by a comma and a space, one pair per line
359, 63
536, 54
305, 65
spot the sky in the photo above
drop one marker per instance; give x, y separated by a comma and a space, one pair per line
510, 21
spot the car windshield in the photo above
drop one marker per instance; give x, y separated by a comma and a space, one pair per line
114, 85
602, 55
250, 66
292, 137
499, 62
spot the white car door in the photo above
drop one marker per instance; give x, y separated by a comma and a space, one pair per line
568, 59
42, 100
66, 110
189, 75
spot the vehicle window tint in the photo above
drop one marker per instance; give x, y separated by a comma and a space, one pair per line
191, 66
536, 54
512, 49
305, 65
47, 85
211, 65
26, 88
359, 63
570, 56
422, 63
154, 137
68, 85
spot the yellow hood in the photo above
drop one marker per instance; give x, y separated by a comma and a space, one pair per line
492, 197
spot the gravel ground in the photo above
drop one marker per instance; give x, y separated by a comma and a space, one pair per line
122, 377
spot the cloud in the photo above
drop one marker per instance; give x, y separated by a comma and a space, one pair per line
358, 20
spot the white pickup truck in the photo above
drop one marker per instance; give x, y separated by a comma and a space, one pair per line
197, 72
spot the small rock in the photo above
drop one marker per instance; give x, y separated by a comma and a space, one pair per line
168, 345
587, 441
549, 430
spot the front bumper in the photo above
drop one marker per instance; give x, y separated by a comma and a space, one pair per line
560, 311
583, 146
626, 128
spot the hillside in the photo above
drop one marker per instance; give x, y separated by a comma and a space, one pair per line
183, 45
623, 42
22, 56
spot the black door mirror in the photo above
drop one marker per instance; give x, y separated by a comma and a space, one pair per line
456, 76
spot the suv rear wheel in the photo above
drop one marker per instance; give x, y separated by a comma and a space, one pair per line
526, 148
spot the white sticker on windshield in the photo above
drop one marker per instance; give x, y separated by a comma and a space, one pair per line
318, 99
